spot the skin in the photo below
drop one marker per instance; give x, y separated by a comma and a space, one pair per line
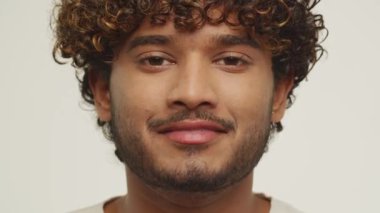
194, 72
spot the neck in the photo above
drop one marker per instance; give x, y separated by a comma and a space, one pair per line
235, 198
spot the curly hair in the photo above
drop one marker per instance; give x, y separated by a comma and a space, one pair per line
90, 31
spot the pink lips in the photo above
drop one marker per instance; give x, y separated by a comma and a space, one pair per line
192, 131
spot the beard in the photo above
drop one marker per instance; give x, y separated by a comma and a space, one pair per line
196, 176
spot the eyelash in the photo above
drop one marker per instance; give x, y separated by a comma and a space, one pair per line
239, 61
145, 60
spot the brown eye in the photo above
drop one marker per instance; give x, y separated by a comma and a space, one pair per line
232, 61
155, 61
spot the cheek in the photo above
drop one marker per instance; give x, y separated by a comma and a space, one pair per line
247, 97
135, 96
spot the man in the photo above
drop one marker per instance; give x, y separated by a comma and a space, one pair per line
190, 92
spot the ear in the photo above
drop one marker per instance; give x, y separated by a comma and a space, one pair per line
280, 99
100, 89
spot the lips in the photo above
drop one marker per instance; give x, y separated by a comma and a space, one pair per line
192, 131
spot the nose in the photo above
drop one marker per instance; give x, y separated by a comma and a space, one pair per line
193, 86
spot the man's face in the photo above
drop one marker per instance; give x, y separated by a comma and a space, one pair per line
191, 111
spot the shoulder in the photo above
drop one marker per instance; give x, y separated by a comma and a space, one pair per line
98, 208
278, 206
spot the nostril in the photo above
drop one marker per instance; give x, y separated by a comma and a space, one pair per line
192, 104
179, 103
191, 96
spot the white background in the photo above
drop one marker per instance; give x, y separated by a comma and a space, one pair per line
53, 158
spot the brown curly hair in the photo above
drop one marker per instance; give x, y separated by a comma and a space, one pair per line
90, 31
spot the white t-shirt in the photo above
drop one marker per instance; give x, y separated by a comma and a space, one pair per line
277, 206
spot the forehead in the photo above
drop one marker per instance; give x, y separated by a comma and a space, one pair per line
191, 18
170, 27
218, 33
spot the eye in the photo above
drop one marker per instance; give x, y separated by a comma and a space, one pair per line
155, 61
232, 61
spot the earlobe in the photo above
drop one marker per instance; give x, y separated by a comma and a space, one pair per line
280, 99
100, 89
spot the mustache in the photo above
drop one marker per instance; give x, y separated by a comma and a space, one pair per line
187, 115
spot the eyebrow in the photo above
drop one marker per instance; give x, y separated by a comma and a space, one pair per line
148, 40
218, 40
232, 40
